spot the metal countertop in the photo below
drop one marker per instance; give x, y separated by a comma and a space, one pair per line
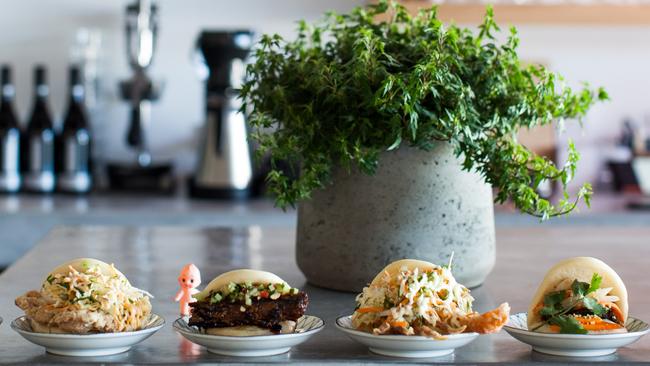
152, 256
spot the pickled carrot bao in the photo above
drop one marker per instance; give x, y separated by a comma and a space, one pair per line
579, 296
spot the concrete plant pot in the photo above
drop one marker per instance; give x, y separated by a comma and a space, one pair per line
419, 205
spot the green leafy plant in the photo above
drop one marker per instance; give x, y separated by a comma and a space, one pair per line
352, 87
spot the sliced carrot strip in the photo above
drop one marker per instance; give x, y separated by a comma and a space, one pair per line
554, 328
401, 324
590, 324
370, 309
601, 326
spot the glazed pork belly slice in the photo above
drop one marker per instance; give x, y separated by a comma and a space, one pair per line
263, 313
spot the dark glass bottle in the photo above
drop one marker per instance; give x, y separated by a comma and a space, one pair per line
9, 136
75, 141
39, 140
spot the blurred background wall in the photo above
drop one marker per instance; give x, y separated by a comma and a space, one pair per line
609, 56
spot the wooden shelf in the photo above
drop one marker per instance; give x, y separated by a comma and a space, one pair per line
565, 14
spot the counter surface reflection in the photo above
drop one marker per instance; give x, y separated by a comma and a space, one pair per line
152, 257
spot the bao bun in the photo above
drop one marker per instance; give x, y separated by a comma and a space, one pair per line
396, 267
83, 264
288, 326
220, 283
562, 275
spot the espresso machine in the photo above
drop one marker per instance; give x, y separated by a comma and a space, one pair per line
224, 168
139, 92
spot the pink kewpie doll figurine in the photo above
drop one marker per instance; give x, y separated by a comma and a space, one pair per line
189, 279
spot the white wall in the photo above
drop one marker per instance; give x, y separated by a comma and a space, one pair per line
613, 57
616, 58
28, 37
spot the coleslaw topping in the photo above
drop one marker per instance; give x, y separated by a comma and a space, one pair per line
414, 302
96, 291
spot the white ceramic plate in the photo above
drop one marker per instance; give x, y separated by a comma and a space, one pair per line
575, 345
405, 346
252, 346
98, 344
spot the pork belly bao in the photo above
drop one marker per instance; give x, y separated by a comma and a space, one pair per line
86, 296
581, 295
248, 302
412, 297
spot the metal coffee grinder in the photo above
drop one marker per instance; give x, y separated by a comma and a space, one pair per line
224, 168
139, 91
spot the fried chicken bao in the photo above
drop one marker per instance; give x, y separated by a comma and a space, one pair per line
413, 297
248, 302
86, 296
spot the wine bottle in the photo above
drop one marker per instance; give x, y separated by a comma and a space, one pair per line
9, 136
39, 140
75, 141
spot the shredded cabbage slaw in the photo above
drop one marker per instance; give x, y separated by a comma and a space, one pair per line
92, 290
429, 303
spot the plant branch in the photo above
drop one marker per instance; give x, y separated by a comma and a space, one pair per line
350, 87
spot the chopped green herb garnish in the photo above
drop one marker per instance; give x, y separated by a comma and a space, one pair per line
216, 297
247, 292
86, 298
559, 305
568, 324
554, 298
595, 283
579, 288
593, 305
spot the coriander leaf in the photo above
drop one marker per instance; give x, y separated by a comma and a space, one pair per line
593, 305
595, 283
554, 298
568, 324
579, 288
548, 311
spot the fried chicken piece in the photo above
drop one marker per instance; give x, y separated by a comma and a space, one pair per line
45, 317
384, 328
428, 332
490, 322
